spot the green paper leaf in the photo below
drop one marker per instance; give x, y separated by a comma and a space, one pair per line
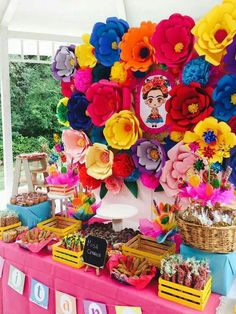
103, 190
133, 187
159, 188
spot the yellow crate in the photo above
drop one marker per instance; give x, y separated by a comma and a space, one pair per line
67, 257
10, 227
196, 299
142, 246
61, 226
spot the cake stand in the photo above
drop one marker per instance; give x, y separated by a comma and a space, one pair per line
116, 213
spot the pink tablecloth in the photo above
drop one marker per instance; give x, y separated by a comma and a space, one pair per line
79, 284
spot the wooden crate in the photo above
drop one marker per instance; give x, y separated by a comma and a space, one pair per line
196, 299
61, 226
142, 246
67, 257
10, 227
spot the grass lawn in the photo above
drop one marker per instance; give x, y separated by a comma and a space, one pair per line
1, 178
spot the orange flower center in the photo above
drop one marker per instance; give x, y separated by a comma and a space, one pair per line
154, 154
104, 157
193, 108
81, 142
233, 99
178, 47
220, 35
127, 127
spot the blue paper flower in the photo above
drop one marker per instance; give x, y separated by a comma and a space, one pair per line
224, 96
97, 136
134, 176
106, 37
196, 70
77, 106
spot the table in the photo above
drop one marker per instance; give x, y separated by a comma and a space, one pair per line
82, 285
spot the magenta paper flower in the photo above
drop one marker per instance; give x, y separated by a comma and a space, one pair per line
83, 79
181, 159
76, 144
173, 40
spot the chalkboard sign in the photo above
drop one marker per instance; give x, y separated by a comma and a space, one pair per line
95, 250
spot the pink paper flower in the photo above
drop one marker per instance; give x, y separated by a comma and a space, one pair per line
173, 40
106, 98
181, 159
149, 180
83, 79
114, 184
76, 144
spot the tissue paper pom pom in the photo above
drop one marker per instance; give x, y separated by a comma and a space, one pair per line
196, 70
136, 49
215, 31
100, 72
150, 181
123, 165
149, 156
173, 40
122, 130
105, 99
181, 159
76, 144
229, 59
99, 161
63, 66
188, 105
62, 111
106, 37
113, 184
86, 180
84, 53
118, 72
68, 88
83, 79
77, 117
224, 96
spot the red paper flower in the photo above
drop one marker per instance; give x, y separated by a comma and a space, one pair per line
106, 98
173, 40
232, 124
188, 105
86, 180
68, 88
123, 165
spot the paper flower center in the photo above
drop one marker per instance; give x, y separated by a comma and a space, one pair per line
208, 152
104, 157
114, 45
81, 142
220, 35
233, 99
193, 108
209, 137
72, 62
153, 153
144, 52
178, 47
127, 127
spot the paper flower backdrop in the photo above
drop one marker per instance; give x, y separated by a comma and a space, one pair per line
106, 133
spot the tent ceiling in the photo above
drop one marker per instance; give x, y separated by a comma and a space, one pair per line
75, 17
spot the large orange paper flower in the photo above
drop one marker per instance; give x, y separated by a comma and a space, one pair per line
136, 49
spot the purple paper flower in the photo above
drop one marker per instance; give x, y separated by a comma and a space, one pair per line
77, 106
230, 57
149, 156
64, 64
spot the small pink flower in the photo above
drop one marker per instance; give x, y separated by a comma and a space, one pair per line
76, 144
83, 79
149, 180
114, 184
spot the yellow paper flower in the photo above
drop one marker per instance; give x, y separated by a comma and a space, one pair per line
98, 161
122, 130
118, 72
84, 53
215, 31
214, 139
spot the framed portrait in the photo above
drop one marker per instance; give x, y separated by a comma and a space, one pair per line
152, 94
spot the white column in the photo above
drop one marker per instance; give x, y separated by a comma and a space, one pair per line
6, 110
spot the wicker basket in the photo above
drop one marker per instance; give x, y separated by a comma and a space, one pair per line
211, 239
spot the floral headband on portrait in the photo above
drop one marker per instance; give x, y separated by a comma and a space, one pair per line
156, 82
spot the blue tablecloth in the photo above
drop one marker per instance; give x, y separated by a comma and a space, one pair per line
31, 215
223, 267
